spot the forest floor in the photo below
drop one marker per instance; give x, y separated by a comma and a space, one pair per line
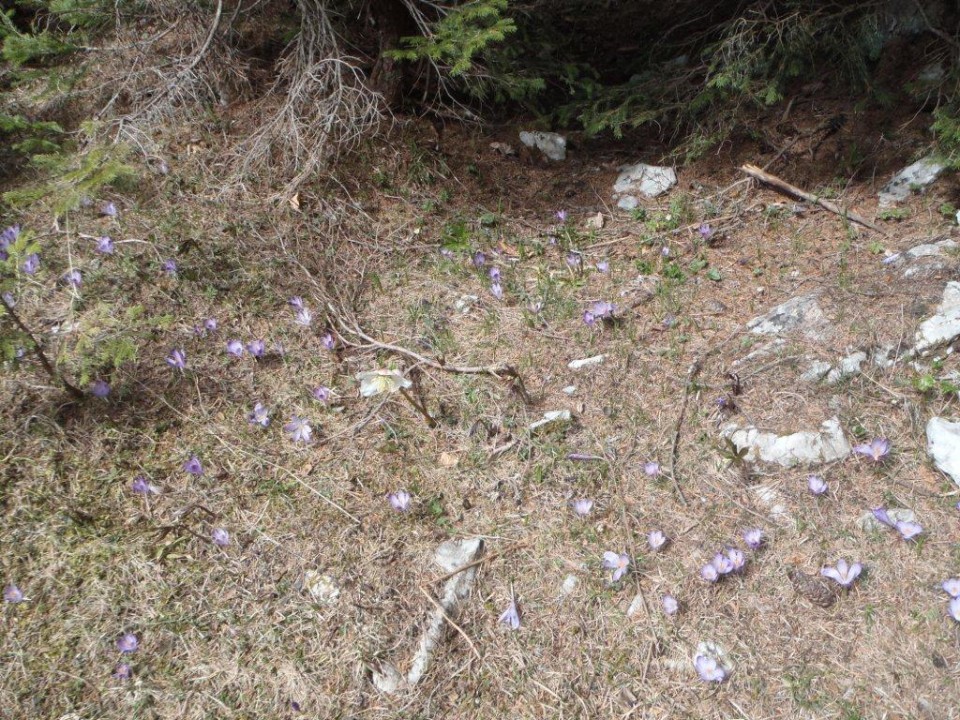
322, 582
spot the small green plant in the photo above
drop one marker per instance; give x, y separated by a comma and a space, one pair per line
896, 214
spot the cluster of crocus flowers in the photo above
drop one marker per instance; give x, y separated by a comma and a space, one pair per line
600, 310
908, 529
7, 238
727, 562
619, 563
177, 359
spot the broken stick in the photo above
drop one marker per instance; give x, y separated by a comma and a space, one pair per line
788, 189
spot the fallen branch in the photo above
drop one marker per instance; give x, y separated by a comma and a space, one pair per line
788, 189
497, 370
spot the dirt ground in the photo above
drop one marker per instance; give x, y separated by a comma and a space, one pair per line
323, 581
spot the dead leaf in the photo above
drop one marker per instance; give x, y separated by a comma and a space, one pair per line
449, 460
295, 201
595, 223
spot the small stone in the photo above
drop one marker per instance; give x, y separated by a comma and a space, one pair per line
570, 389
503, 148
943, 445
553, 417
913, 177
595, 222
814, 588
628, 202
570, 583
636, 605
816, 372
586, 362
464, 303
802, 313
552, 145
944, 326
649, 180
848, 368
799, 448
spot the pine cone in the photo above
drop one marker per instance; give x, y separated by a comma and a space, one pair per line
814, 588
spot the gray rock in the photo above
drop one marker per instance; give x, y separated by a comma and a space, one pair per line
881, 356
649, 180
919, 175
570, 583
848, 368
799, 448
923, 260
802, 312
628, 202
550, 144
869, 522
816, 372
944, 326
943, 445
764, 351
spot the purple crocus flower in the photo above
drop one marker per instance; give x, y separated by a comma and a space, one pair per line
447, 253
328, 341
737, 559
73, 278
709, 669
9, 235
665, 251
952, 587
12, 594
881, 515
170, 267
104, 245
100, 389
722, 563
296, 302
670, 605
651, 468
574, 261
31, 264
399, 500
479, 259
323, 394
561, 215
9, 299
603, 266
843, 573
877, 449
304, 317
497, 291
656, 540
108, 209
582, 507
535, 307
618, 562
511, 616
128, 643
954, 608
706, 232
817, 485
193, 466
210, 324
299, 429
753, 538
235, 348
220, 537
141, 486
709, 573
123, 671
494, 274
257, 348
908, 530
177, 359
259, 416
